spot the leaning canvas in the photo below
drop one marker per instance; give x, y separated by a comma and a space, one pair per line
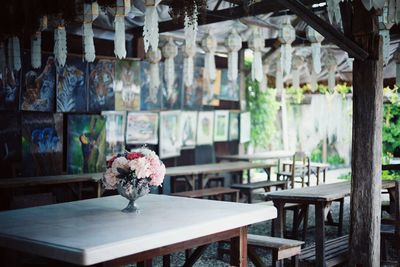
142, 128
127, 85
188, 129
211, 89
170, 137
205, 127
229, 89
234, 125
101, 85
115, 132
245, 127
221, 125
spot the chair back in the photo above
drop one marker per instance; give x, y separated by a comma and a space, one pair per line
300, 164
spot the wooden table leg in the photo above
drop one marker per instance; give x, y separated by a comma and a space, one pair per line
320, 234
239, 249
278, 222
317, 174
324, 174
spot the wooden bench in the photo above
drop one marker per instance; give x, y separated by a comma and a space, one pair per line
247, 189
213, 192
336, 252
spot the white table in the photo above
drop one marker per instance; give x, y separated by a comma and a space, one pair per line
94, 231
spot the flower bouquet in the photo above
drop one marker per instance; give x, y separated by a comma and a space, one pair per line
132, 174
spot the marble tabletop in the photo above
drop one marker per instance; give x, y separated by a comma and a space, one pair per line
92, 231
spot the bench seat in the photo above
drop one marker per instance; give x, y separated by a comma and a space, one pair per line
210, 192
248, 188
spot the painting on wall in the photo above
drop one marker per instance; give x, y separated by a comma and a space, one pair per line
127, 85
9, 89
188, 129
86, 148
221, 125
101, 85
10, 142
172, 97
142, 128
211, 89
193, 95
71, 86
205, 125
170, 137
229, 89
38, 85
150, 96
115, 132
42, 144
245, 127
234, 125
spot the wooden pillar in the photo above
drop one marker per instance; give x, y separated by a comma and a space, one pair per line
367, 141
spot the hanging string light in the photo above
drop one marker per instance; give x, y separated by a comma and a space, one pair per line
169, 52
90, 13
287, 35
150, 28
60, 44
233, 43
256, 43
122, 9
209, 45
315, 38
154, 57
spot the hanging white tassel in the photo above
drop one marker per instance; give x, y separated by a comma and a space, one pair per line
154, 57
233, 43
10, 59
150, 28
36, 50
16, 54
169, 51
60, 45
297, 63
209, 45
190, 28
119, 39
377, 4
256, 43
3, 61
188, 66
287, 35
90, 53
286, 57
315, 38
331, 66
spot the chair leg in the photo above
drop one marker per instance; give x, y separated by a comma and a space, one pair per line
296, 223
295, 261
305, 221
340, 225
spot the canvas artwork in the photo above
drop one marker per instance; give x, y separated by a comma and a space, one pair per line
233, 125
188, 129
86, 148
170, 137
115, 132
150, 97
193, 95
38, 85
211, 89
205, 125
229, 89
245, 127
101, 85
172, 97
127, 85
10, 141
142, 128
221, 125
42, 144
71, 86
9, 89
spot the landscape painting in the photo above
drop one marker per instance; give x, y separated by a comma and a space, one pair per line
127, 85
38, 85
86, 148
42, 144
245, 127
211, 89
193, 95
188, 129
221, 125
142, 128
229, 89
170, 137
115, 132
9, 89
233, 125
10, 142
172, 97
205, 127
71, 86
101, 85
150, 96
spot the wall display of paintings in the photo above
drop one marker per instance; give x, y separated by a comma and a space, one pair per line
211, 89
229, 89
233, 125
245, 127
170, 136
42, 144
127, 85
205, 125
10, 142
9, 89
221, 125
193, 95
115, 132
38, 85
86, 148
150, 97
142, 128
101, 85
188, 129
172, 97
71, 86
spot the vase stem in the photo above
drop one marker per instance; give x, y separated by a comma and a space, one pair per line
131, 207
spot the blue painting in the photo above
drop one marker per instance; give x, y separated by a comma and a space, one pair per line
10, 142
193, 95
150, 97
9, 89
229, 90
101, 85
71, 86
172, 97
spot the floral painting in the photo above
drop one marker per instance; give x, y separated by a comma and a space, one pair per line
193, 95
205, 128
127, 85
188, 129
86, 148
211, 88
38, 85
9, 89
170, 137
245, 127
221, 126
233, 125
115, 132
10, 142
172, 97
142, 128
101, 85
150, 96
42, 144
229, 89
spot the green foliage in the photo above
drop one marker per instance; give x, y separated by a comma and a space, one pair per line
322, 89
391, 126
343, 89
316, 155
295, 95
345, 176
335, 160
386, 175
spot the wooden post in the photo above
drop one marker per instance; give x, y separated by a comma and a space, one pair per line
367, 141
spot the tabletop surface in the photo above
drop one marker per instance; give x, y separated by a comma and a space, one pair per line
259, 155
91, 231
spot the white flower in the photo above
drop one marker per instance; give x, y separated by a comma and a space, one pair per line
141, 167
120, 162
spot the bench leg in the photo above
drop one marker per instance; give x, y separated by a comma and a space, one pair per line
166, 260
295, 261
340, 226
255, 259
305, 221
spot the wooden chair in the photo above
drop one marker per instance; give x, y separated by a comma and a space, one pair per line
298, 168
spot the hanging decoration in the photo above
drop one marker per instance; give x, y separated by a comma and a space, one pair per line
376, 4
331, 66
90, 13
190, 28
287, 35
233, 43
154, 57
256, 43
333, 9
150, 28
169, 51
3, 61
279, 77
313, 76
60, 44
36, 44
122, 9
315, 38
384, 26
209, 45
297, 63
14, 53
10, 60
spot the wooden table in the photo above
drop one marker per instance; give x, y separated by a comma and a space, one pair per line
321, 196
95, 231
315, 168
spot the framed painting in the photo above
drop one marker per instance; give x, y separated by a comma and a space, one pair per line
229, 89
193, 95
170, 137
205, 126
172, 97
101, 85
115, 132
71, 86
234, 125
38, 85
127, 85
42, 144
150, 97
211, 89
9, 89
10, 142
86, 148
245, 127
221, 125
142, 128
188, 129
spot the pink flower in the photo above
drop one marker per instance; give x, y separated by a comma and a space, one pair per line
157, 176
109, 180
120, 162
141, 167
